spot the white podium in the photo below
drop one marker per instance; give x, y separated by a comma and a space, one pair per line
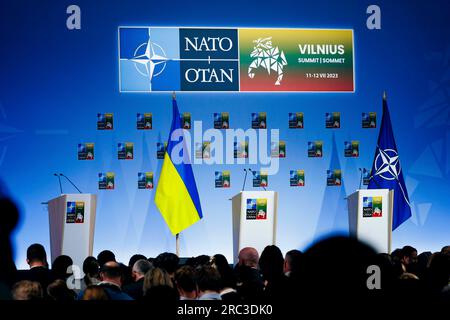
254, 220
370, 217
72, 223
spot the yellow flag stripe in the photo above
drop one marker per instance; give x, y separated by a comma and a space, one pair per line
173, 199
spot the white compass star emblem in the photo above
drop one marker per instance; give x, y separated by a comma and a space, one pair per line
149, 59
387, 164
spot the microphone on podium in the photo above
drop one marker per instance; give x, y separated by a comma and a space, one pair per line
245, 179
59, 179
253, 173
73, 184
360, 178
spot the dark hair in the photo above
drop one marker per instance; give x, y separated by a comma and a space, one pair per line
105, 256
397, 255
91, 266
36, 252
111, 271
10, 218
445, 250
185, 278
60, 265
438, 273
135, 258
228, 280
202, 260
294, 258
208, 278
408, 251
95, 293
58, 291
162, 298
167, 261
125, 272
344, 258
271, 263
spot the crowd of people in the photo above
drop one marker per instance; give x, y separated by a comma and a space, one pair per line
254, 278
325, 270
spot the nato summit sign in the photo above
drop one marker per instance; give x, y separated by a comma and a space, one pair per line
158, 59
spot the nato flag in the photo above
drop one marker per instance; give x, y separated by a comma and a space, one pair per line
387, 172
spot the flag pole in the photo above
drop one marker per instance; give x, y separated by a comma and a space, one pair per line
177, 244
177, 236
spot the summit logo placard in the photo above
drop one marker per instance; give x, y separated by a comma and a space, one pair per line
158, 59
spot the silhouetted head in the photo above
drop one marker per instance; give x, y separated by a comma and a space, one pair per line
105, 256
167, 261
271, 263
409, 255
58, 291
185, 279
438, 273
111, 272
135, 258
10, 216
60, 266
91, 267
248, 256
36, 255
208, 279
292, 261
202, 260
27, 290
336, 265
140, 268
228, 280
446, 250
156, 277
94, 292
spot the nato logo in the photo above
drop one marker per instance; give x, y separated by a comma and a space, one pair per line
251, 204
292, 116
330, 174
367, 202
70, 207
178, 59
294, 174
102, 177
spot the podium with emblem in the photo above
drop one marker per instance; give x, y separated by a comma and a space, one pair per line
254, 220
370, 217
72, 223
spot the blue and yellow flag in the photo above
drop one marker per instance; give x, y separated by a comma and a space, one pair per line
176, 194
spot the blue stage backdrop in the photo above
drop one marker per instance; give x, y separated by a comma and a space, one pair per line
55, 81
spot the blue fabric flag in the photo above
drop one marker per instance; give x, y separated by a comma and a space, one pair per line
386, 170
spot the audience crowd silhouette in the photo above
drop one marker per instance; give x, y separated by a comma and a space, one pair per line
324, 271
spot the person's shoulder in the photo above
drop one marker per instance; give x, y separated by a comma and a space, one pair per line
125, 296
115, 293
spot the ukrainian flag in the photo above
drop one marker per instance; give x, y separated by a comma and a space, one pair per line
176, 194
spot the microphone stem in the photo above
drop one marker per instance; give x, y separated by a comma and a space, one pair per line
60, 185
73, 184
245, 179
360, 179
